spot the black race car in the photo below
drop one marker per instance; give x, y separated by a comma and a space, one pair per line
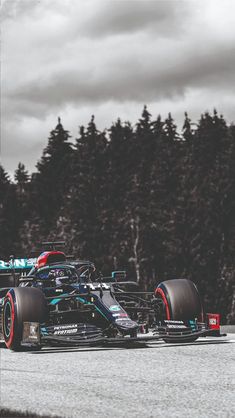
64, 302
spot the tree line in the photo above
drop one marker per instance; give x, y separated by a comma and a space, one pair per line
141, 197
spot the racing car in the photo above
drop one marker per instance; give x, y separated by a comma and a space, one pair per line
56, 301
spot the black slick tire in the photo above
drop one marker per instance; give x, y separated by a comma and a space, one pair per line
181, 301
21, 304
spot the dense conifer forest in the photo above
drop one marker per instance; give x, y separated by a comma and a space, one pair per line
145, 198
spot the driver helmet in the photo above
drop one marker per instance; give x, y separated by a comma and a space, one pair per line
60, 275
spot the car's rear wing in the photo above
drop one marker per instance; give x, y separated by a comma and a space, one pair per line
19, 265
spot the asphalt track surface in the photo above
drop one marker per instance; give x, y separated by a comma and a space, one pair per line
170, 380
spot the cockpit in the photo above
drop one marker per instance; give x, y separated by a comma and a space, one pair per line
57, 274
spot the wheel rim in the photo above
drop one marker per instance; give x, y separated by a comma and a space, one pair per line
9, 320
7, 323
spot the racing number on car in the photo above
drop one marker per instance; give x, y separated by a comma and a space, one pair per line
97, 286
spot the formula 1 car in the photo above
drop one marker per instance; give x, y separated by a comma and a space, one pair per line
62, 302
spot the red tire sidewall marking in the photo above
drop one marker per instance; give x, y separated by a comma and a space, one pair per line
163, 296
9, 342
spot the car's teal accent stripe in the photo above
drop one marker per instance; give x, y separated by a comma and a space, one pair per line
44, 331
101, 312
57, 300
19, 263
90, 303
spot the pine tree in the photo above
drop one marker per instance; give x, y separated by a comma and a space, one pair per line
9, 222
4, 230
117, 188
138, 198
86, 189
50, 183
170, 129
205, 183
48, 189
187, 128
21, 176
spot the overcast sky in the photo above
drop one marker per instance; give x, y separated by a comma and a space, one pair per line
75, 58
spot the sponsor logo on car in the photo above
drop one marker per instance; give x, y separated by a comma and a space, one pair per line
123, 319
65, 329
175, 326
67, 326
96, 286
19, 263
114, 308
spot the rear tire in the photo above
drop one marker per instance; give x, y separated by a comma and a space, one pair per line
181, 301
21, 304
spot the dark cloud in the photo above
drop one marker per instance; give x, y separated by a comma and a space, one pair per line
73, 57
120, 17
139, 79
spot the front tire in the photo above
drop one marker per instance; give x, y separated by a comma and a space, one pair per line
21, 305
181, 301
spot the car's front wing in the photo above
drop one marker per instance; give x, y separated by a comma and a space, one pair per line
89, 335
